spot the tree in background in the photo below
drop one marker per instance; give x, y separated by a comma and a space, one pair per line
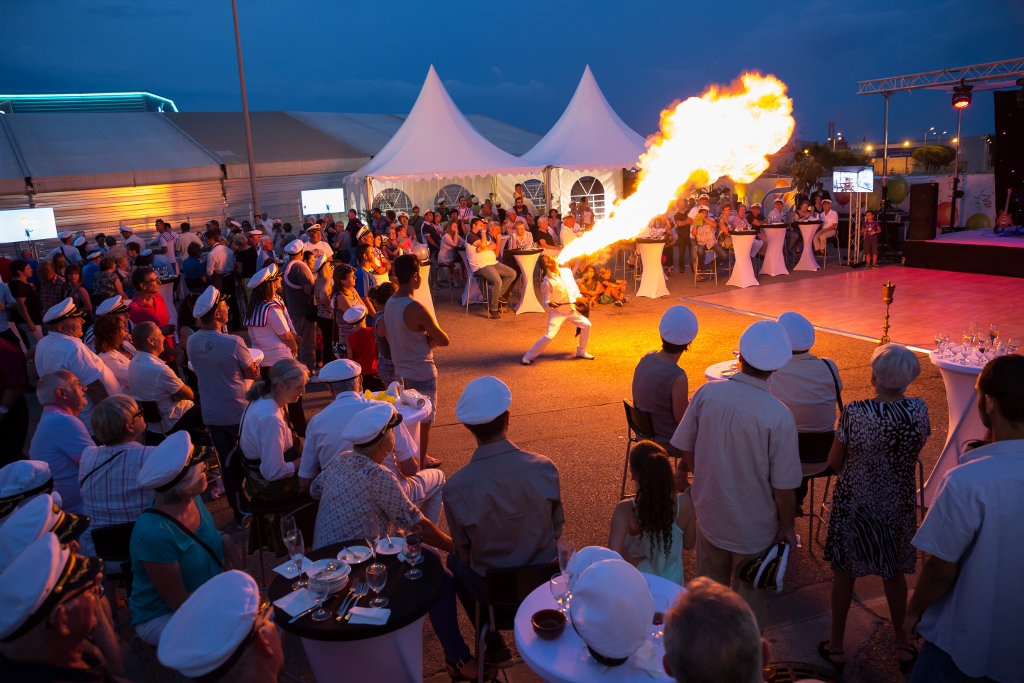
934, 157
818, 160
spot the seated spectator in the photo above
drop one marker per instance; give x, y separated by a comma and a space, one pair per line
21, 481
449, 256
114, 306
873, 516
106, 282
38, 517
61, 437
523, 528
224, 631
151, 379
14, 416
361, 347
590, 287
651, 530
193, 270
356, 485
52, 287
54, 625
711, 636
612, 291
705, 232
110, 336
175, 545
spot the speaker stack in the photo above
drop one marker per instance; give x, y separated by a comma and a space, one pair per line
924, 207
1008, 151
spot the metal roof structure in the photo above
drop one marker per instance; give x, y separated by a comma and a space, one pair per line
85, 102
993, 75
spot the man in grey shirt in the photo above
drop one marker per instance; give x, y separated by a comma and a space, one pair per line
223, 365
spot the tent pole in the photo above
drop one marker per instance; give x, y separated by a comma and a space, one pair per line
369, 192
245, 116
547, 187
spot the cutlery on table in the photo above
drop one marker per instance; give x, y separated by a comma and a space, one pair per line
361, 591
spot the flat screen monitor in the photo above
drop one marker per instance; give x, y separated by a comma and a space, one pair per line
323, 201
23, 225
853, 179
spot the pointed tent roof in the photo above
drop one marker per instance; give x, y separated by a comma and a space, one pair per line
436, 141
588, 135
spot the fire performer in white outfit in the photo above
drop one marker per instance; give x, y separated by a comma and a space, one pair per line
561, 296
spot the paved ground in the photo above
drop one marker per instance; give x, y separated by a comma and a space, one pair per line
572, 412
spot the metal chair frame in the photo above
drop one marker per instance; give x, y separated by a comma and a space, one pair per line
638, 428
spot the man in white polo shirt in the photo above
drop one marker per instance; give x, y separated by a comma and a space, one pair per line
829, 225
62, 349
66, 249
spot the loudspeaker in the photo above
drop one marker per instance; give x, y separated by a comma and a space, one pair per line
1008, 152
629, 180
924, 205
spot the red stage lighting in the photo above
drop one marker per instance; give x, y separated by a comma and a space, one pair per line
962, 96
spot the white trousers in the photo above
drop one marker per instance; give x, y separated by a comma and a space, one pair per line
555, 319
424, 491
819, 239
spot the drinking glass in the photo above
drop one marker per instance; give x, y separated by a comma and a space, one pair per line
938, 344
565, 551
318, 586
945, 343
559, 585
993, 332
974, 328
371, 532
658, 623
413, 538
296, 549
377, 578
1012, 344
287, 526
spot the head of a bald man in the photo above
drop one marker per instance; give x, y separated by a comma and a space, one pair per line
148, 338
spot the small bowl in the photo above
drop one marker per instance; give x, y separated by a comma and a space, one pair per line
548, 623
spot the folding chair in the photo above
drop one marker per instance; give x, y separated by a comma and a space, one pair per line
638, 428
113, 544
302, 507
152, 416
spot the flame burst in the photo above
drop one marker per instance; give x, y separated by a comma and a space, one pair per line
724, 132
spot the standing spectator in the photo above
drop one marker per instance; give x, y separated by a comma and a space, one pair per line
820, 193
76, 290
870, 229
284, 238
245, 258
297, 289
52, 287
90, 269
315, 245
741, 445
483, 262
385, 365
148, 306
323, 291
365, 281
8, 308
13, 407
61, 437
412, 333
66, 249
107, 283
62, 349
152, 380
873, 516
27, 312
109, 339
220, 269
353, 225
361, 347
345, 297
431, 234
967, 603
192, 269
184, 240
5, 268
587, 219
379, 224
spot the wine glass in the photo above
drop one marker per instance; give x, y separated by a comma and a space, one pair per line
559, 585
318, 589
296, 549
658, 622
1012, 344
945, 344
938, 344
371, 532
377, 578
288, 526
566, 548
993, 332
413, 539
974, 328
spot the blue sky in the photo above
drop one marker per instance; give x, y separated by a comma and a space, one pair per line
518, 62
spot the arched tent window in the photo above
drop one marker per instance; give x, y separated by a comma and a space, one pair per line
534, 191
394, 199
450, 194
593, 190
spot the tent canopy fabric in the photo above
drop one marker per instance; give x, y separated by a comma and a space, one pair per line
588, 135
437, 141
12, 179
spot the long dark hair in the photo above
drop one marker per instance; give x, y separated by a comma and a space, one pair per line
655, 500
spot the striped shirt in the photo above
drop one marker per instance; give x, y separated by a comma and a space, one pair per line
109, 480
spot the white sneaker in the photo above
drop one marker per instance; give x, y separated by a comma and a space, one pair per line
585, 356
526, 361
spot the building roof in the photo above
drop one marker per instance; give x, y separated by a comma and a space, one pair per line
85, 102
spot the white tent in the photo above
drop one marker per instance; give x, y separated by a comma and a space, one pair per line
436, 143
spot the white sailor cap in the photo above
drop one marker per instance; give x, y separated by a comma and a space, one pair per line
612, 609
236, 224
403, 213
354, 314
584, 557
21, 481
321, 259
36, 517
799, 329
114, 304
266, 275
79, 241
255, 232
294, 247
362, 231
64, 234
757, 204
826, 200
778, 199
483, 399
765, 346
277, 221
703, 196
125, 228
315, 226
703, 208
146, 252
168, 462
369, 425
338, 371
62, 311
95, 254
211, 630
678, 325
40, 578
208, 301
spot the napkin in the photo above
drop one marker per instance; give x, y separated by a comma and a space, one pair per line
287, 570
369, 615
647, 659
412, 398
296, 602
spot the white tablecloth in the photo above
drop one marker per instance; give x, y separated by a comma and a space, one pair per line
964, 421
774, 260
423, 293
715, 372
652, 282
562, 660
807, 260
743, 272
411, 418
394, 657
528, 302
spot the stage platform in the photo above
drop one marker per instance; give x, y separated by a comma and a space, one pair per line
968, 251
925, 302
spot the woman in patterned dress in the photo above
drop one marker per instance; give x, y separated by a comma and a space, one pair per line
873, 517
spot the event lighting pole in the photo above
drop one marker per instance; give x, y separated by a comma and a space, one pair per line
885, 168
245, 117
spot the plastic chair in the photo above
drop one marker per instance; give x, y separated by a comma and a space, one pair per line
639, 427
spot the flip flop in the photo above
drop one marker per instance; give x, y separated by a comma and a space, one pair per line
430, 463
827, 655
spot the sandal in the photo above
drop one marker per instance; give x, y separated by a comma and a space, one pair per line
455, 671
430, 463
906, 664
828, 654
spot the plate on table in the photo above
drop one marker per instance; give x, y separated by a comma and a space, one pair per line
397, 546
341, 570
354, 554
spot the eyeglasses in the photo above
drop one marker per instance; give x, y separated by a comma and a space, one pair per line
138, 414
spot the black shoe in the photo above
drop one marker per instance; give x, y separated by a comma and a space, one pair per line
497, 655
495, 315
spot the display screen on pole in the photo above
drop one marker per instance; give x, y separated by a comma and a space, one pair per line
853, 179
323, 201
24, 225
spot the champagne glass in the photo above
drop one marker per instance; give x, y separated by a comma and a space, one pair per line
288, 526
559, 585
938, 344
974, 328
377, 578
371, 532
413, 539
296, 549
945, 344
318, 589
658, 622
566, 548
993, 332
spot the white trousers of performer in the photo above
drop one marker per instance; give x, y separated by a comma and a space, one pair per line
424, 491
555, 319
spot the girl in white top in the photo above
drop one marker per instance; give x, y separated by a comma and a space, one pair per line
561, 296
267, 321
448, 254
652, 530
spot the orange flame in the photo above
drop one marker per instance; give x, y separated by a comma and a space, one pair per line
724, 132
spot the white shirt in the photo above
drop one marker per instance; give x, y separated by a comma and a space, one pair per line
58, 351
480, 258
265, 436
220, 260
744, 444
182, 242
320, 247
267, 338
167, 240
776, 216
560, 290
323, 442
137, 240
151, 379
806, 386
977, 521
70, 253
118, 364
829, 220
566, 236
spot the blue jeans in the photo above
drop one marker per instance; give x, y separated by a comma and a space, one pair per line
426, 387
935, 665
445, 619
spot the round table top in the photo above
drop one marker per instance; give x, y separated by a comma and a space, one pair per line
952, 365
723, 370
743, 233
561, 660
412, 414
651, 240
774, 226
816, 221
525, 252
408, 599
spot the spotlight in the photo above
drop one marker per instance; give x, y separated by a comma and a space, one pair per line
962, 95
